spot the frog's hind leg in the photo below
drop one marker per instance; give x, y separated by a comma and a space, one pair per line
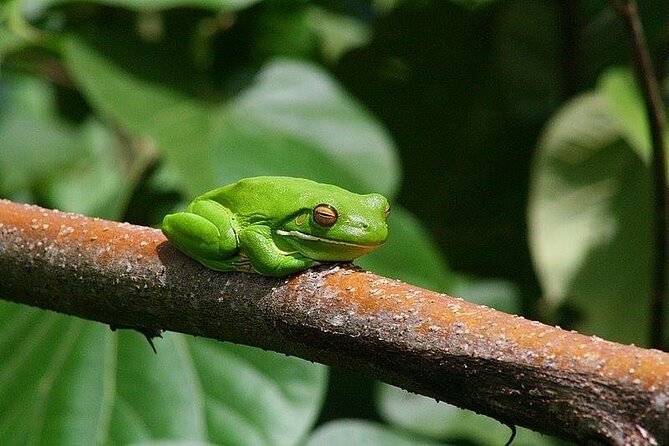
205, 232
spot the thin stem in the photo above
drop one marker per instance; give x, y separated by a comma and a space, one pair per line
657, 118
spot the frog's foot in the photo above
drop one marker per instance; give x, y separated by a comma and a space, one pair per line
285, 266
266, 258
204, 232
236, 263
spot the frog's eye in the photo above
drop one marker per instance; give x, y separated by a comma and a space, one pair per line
325, 215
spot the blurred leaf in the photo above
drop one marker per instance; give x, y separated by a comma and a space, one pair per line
44, 158
9, 41
626, 104
35, 8
619, 88
54, 378
361, 433
338, 33
409, 254
282, 30
95, 184
293, 120
386, 6
135, 103
590, 218
475, 3
233, 394
69, 381
27, 96
179, 124
425, 416
34, 143
499, 294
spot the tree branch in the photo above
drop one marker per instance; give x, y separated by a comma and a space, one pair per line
627, 9
518, 371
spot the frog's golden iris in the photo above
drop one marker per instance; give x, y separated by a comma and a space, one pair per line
325, 215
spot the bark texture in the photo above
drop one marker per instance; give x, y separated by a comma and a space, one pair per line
519, 371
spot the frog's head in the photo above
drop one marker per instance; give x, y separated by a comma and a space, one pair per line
333, 224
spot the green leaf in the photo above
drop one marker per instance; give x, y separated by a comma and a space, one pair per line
499, 294
95, 184
9, 41
290, 36
338, 33
626, 104
291, 120
619, 87
44, 158
35, 8
34, 143
69, 381
590, 219
425, 416
410, 254
361, 433
137, 104
294, 120
53, 373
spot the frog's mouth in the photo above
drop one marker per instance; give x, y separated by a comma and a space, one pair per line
313, 238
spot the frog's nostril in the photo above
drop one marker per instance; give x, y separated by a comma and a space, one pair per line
358, 222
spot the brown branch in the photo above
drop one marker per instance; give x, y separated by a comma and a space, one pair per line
519, 371
627, 9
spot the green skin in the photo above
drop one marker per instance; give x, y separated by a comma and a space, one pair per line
274, 225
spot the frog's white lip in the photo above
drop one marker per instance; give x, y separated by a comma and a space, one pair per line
312, 238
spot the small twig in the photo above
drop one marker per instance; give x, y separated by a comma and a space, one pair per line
523, 372
657, 118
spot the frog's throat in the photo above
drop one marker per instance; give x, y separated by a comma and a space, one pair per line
312, 238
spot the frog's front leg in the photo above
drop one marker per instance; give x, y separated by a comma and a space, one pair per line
204, 232
266, 258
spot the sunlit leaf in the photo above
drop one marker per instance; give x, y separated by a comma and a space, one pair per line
69, 381
292, 120
620, 89
590, 218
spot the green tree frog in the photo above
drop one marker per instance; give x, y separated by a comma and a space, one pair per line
277, 226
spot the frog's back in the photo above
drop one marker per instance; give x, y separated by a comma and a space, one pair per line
263, 186
267, 197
